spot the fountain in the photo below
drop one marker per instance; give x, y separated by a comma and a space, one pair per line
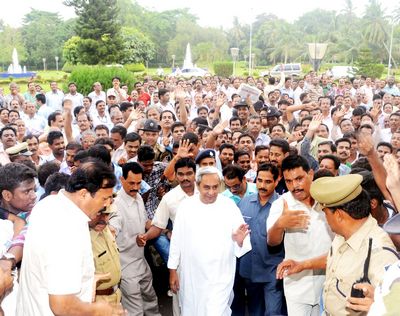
188, 69
15, 70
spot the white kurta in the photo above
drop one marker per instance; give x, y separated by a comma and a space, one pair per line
203, 250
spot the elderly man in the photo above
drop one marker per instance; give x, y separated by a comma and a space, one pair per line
206, 261
360, 251
57, 274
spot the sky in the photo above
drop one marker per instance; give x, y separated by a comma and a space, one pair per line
210, 12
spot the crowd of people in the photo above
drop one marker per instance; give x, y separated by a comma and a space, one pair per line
283, 206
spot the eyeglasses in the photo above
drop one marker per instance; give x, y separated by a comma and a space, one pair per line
233, 187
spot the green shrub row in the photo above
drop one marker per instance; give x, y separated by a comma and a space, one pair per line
223, 69
85, 76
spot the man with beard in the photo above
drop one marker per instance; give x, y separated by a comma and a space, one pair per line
295, 220
138, 295
185, 170
55, 139
106, 257
226, 154
278, 151
343, 146
67, 166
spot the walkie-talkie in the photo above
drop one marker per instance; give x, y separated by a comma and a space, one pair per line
358, 292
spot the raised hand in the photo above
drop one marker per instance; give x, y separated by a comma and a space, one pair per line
365, 144
337, 116
135, 115
67, 105
293, 219
315, 122
393, 172
240, 234
220, 101
219, 128
184, 149
179, 93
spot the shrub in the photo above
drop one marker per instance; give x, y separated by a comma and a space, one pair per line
223, 69
68, 67
85, 76
135, 67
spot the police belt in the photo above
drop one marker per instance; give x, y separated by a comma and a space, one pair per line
109, 291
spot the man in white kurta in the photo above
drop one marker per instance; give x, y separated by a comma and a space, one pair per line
209, 233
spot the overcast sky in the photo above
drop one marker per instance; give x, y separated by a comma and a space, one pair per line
210, 12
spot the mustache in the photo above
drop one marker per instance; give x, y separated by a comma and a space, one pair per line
101, 222
134, 191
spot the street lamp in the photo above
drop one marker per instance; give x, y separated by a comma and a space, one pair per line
44, 64
173, 62
56, 62
250, 55
253, 58
235, 54
317, 52
390, 49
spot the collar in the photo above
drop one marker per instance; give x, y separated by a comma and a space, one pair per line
253, 198
129, 200
361, 234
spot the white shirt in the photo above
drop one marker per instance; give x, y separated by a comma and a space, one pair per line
77, 99
168, 206
203, 249
304, 287
35, 125
97, 97
54, 100
58, 256
44, 111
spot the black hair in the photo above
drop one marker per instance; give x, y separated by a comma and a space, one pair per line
185, 162
281, 143
168, 111
192, 137
124, 106
7, 128
269, 167
53, 135
81, 155
385, 144
132, 137
330, 143
55, 183
322, 173
52, 117
45, 170
239, 154
233, 171
120, 130
92, 175
13, 174
343, 139
177, 124
146, 153
41, 97
102, 126
162, 91
246, 135
292, 162
226, 145
100, 152
358, 111
133, 167
334, 158
259, 148
77, 110
30, 136
73, 146
104, 141
98, 102
363, 163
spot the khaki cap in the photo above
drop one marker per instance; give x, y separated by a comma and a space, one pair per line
19, 149
335, 191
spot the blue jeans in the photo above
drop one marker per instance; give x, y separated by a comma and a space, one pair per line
161, 244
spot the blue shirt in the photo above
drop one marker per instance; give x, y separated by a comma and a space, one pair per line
259, 264
251, 189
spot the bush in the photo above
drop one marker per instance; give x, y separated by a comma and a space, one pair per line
223, 69
85, 76
68, 67
373, 71
135, 67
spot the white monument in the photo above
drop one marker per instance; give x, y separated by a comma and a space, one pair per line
15, 67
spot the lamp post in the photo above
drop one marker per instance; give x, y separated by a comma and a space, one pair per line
56, 62
235, 54
253, 58
317, 52
173, 62
390, 49
251, 35
44, 64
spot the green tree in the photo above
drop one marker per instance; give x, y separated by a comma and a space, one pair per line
11, 38
366, 65
70, 50
138, 47
97, 26
43, 34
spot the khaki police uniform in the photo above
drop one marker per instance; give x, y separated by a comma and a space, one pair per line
106, 260
346, 258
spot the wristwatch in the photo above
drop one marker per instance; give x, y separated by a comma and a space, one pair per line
10, 257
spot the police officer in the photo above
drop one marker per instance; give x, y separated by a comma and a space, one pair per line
361, 249
106, 257
151, 131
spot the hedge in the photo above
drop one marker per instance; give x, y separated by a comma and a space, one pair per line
85, 76
223, 69
135, 67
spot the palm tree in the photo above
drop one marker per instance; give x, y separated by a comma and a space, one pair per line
375, 24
